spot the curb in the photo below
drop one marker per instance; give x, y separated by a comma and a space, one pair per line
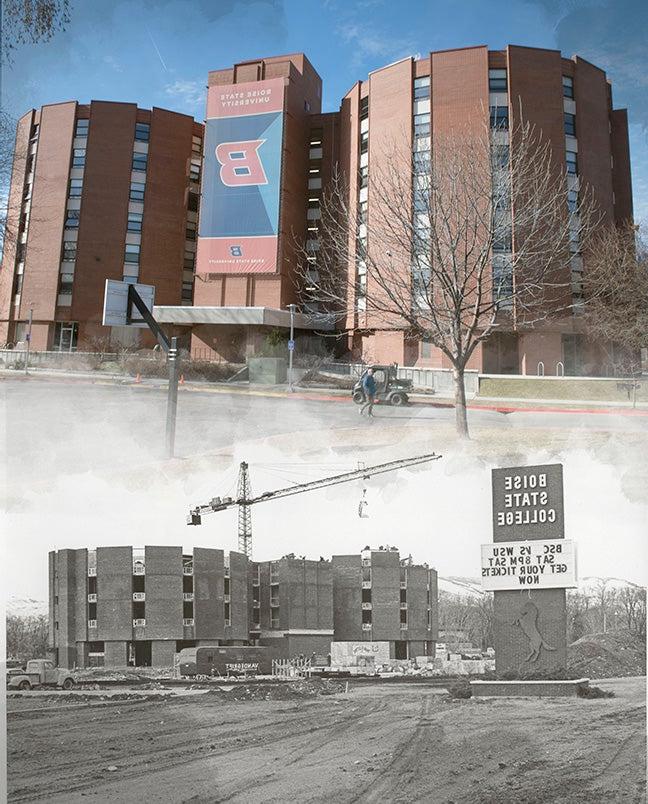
334, 395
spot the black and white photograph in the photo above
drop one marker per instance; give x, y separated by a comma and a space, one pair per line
324, 391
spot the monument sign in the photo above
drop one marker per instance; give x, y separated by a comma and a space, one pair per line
528, 566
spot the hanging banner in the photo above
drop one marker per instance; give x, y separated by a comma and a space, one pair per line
239, 210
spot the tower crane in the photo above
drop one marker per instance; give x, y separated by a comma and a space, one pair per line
244, 499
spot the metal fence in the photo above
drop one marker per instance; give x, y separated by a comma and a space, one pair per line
438, 381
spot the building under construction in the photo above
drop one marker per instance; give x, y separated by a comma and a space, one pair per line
121, 606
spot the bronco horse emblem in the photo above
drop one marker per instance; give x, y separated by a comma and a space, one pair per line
527, 620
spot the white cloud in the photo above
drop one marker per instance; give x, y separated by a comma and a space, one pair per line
190, 95
372, 44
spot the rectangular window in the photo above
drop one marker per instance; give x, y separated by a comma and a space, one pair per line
137, 191
34, 133
422, 162
497, 81
196, 144
420, 200
187, 291
192, 202
422, 87
78, 158
189, 259
572, 201
426, 348
82, 126
364, 107
572, 163
135, 222
69, 252
142, 132
190, 234
316, 137
194, 170
421, 125
500, 156
132, 253
76, 188
72, 219
364, 176
499, 117
568, 86
364, 142
570, 124
65, 287
139, 161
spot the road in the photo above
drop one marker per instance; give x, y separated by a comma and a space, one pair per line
51, 424
391, 743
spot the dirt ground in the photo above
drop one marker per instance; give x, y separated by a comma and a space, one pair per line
376, 743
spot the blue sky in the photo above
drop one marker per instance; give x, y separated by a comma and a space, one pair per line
158, 52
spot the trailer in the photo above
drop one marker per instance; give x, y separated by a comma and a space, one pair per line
227, 660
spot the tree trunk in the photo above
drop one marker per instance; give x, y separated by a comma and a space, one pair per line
460, 403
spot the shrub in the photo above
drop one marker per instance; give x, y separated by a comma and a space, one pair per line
460, 688
594, 692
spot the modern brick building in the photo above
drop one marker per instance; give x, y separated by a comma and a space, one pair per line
119, 606
269, 156
99, 191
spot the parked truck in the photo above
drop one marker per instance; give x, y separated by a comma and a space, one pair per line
228, 660
41, 673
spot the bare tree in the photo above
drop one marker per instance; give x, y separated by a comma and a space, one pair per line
30, 22
12, 159
578, 615
27, 637
440, 255
633, 603
616, 292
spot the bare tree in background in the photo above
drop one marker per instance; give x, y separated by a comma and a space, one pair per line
616, 292
30, 22
633, 603
444, 262
10, 156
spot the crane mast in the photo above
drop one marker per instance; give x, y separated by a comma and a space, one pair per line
244, 499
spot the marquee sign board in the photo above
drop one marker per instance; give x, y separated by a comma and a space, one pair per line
537, 564
528, 503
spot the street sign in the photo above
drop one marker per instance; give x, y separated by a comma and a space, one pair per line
115, 309
528, 503
291, 346
537, 564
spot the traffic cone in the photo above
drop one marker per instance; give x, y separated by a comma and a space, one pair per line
138, 378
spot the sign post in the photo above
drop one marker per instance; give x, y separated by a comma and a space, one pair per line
119, 300
528, 566
291, 345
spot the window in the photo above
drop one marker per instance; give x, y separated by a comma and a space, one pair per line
503, 282
572, 163
194, 170
422, 162
420, 200
190, 231
364, 176
82, 126
69, 251
78, 157
65, 287
189, 259
196, 144
76, 188
137, 191
135, 222
139, 161
18, 287
187, 291
142, 132
364, 142
500, 156
421, 125
426, 348
34, 133
572, 201
570, 124
72, 219
422, 87
364, 108
568, 86
497, 81
316, 137
499, 117
192, 202
132, 253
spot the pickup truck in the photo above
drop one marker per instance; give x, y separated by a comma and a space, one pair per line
41, 673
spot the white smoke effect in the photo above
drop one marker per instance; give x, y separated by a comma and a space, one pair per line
96, 478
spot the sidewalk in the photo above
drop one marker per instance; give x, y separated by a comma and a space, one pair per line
324, 394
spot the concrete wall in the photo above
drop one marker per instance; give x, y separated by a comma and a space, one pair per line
114, 593
209, 616
239, 630
385, 596
163, 593
347, 598
115, 654
162, 652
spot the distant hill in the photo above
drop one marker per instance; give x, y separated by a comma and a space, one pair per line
26, 607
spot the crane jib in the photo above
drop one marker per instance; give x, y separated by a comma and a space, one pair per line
222, 504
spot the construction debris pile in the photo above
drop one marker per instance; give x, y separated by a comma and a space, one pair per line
609, 655
282, 691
